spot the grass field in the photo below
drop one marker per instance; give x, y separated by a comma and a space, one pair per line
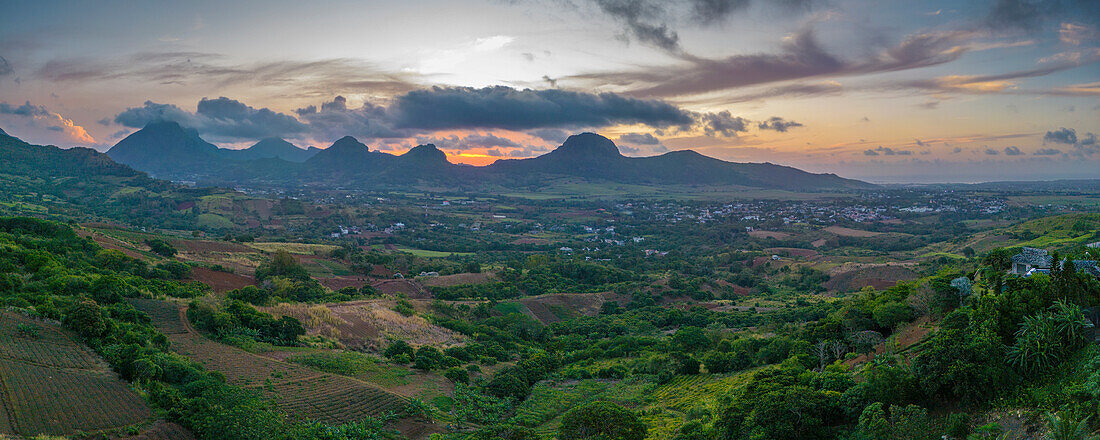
664, 408
51, 385
294, 248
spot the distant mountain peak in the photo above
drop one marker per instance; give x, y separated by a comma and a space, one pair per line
272, 147
426, 153
349, 144
588, 145
161, 146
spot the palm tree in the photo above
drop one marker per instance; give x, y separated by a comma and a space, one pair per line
1063, 427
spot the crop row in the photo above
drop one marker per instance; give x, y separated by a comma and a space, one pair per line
45, 400
239, 367
28, 340
164, 315
333, 399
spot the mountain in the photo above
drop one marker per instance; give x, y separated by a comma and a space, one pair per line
167, 150
594, 157
271, 148
164, 148
349, 156
78, 183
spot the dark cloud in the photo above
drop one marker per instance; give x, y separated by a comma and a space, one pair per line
886, 151
1030, 14
651, 21
517, 153
335, 120
27, 109
1047, 152
220, 118
137, 117
1086, 146
991, 152
476, 140
639, 139
1013, 151
1061, 136
233, 119
802, 56
642, 19
5, 67
723, 123
513, 109
778, 124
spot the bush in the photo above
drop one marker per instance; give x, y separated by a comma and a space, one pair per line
457, 375
397, 348
161, 247
404, 307
428, 358
601, 421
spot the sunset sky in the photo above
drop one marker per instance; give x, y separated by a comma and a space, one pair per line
887, 91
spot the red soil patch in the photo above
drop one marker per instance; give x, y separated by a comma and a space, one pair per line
457, 279
845, 279
381, 271
849, 232
184, 205
818, 243
409, 288
769, 234
340, 282
543, 307
220, 281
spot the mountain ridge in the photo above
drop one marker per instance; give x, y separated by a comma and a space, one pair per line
347, 161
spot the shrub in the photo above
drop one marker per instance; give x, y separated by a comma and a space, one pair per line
457, 375
601, 421
161, 247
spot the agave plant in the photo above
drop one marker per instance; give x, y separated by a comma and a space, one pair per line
1037, 343
1065, 427
1070, 321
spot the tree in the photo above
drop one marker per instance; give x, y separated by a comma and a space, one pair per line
282, 265
890, 315
601, 421
428, 358
457, 375
690, 339
399, 347
87, 318
161, 247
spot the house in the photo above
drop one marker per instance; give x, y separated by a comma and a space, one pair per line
1030, 258
1089, 267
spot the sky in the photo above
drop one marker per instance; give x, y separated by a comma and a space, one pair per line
885, 91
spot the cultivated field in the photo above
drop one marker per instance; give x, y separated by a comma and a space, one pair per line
50, 384
367, 324
298, 391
